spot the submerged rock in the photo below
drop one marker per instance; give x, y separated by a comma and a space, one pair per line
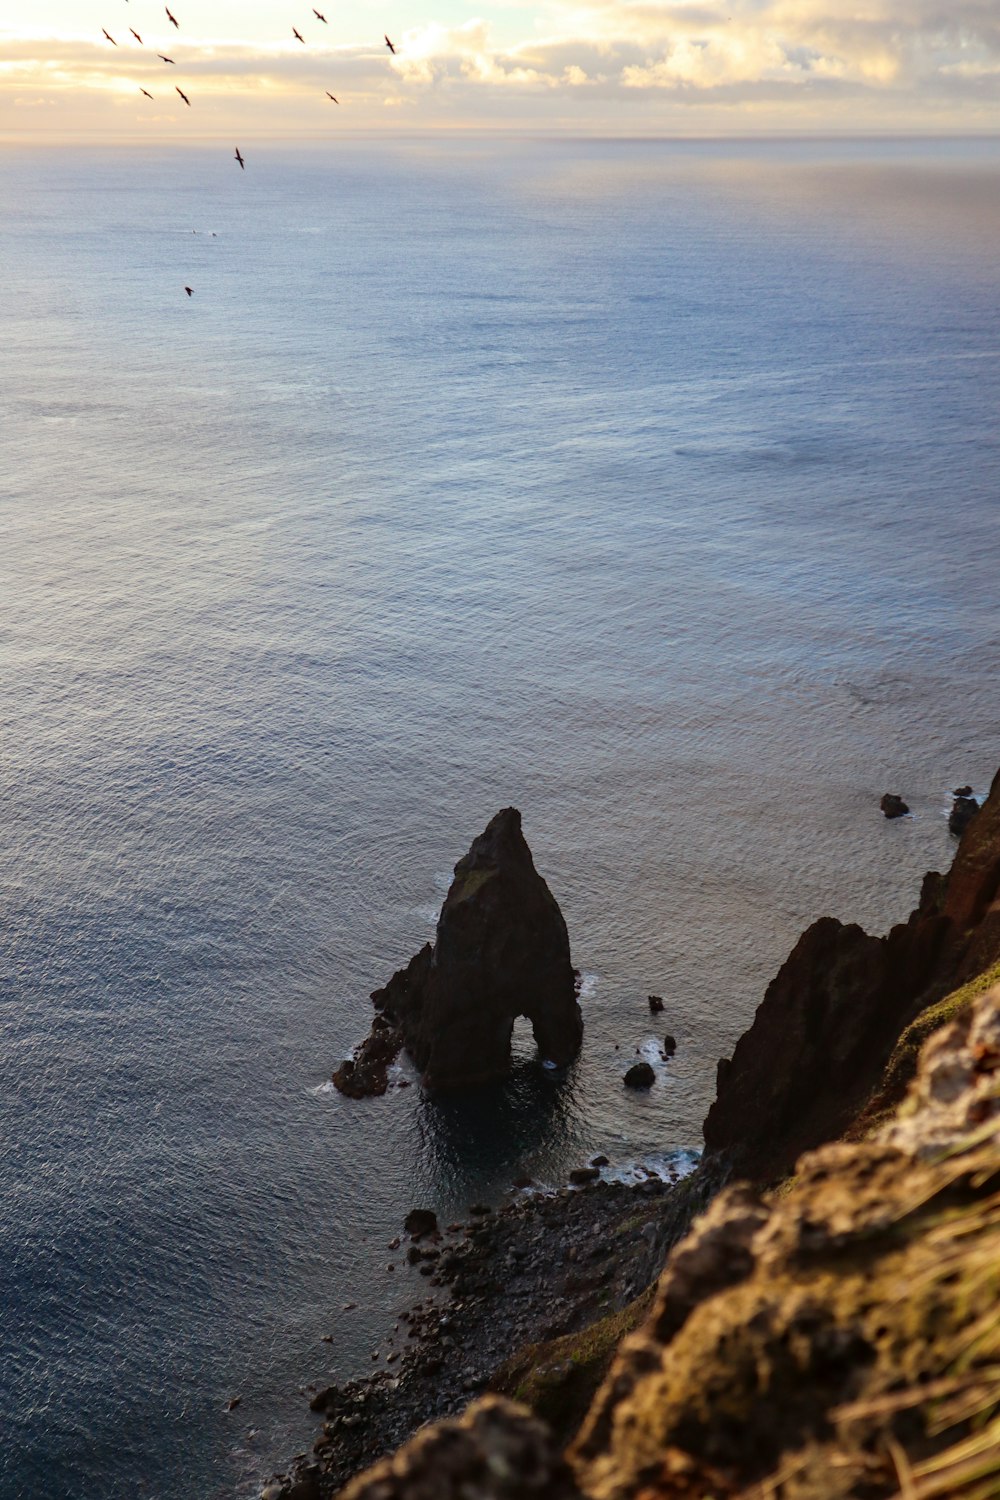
501, 951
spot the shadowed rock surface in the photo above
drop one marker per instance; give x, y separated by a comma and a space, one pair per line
839, 1339
834, 1338
821, 1039
496, 1451
501, 951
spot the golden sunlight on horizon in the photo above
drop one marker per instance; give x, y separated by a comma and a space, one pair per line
93, 68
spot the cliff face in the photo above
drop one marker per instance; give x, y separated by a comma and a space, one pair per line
828, 1023
799, 1340
837, 1339
834, 1337
501, 951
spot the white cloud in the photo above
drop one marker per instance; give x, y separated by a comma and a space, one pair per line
839, 62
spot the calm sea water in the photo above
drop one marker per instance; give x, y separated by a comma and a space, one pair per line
652, 488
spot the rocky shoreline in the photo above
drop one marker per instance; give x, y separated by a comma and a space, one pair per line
527, 1309
541, 1268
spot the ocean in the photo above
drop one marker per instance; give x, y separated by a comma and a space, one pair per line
649, 486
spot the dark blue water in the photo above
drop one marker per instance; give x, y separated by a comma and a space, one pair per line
651, 488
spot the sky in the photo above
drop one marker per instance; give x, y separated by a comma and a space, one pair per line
597, 67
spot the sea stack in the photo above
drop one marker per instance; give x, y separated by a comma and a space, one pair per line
501, 951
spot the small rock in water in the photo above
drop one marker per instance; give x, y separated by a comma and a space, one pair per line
669, 1045
524, 1182
963, 811
893, 806
640, 1076
234, 1403
420, 1222
580, 1176
655, 1004
962, 791
599, 1161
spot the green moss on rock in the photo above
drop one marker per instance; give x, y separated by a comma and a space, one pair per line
902, 1065
557, 1379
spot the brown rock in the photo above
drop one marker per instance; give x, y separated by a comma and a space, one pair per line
495, 1451
640, 1076
822, 1036
420, 1222
963, 810
501, 951
893, 806
796, 1335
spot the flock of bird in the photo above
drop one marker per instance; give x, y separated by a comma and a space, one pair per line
164, 59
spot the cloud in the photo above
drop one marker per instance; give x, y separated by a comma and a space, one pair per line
647, 60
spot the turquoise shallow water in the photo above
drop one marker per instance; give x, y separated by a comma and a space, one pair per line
651, 488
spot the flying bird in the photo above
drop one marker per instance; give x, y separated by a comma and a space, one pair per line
165, 59
243, 165
146, 92
184, 96
296, 34
189, 290
390, 46
330, 96
320, 17
172, 19
136, 35
110, 37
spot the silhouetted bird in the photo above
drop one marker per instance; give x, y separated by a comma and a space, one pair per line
110, 37
172, 19
146, 92
330, 96
184, 96
239, 158
189, 290
390, 46
136, 35
165, 59
296, 34
320, 17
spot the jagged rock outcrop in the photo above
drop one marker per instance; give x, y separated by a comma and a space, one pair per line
829, 1021
963, 810
496, 1451
501, 951
838, 1339
852, 1318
